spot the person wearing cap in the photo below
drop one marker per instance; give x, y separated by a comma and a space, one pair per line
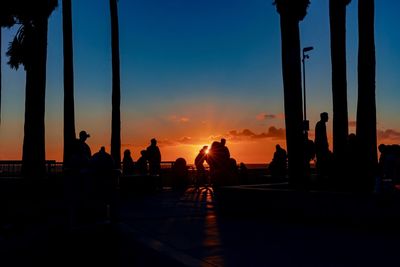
84, 148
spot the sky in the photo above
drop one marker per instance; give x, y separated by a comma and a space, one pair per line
193, 72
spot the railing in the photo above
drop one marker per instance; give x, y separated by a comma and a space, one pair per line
12, 168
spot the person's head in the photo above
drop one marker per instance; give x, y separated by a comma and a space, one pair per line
223, 141
153, 142
143, 153
324, 116
278, 147
83, 135
102, 149
382, 148
204, 149
127, 153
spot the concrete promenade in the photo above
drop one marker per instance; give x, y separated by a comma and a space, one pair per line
171, 229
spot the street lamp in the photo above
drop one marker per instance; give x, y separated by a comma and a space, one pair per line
305, 56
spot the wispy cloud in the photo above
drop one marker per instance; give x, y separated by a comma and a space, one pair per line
178, 119
266, 116
389, 134
273, 132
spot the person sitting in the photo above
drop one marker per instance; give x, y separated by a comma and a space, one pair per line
278, 165
243, 174
180, 174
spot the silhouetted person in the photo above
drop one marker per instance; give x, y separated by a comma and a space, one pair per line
128, 166
219, 163
141, 164
180, 174
83, 147
200, 169
224, 149
243, 174
309, 155
154, 157
233, 173
102, 182
322, 146
278, 165
101, 161
389, 165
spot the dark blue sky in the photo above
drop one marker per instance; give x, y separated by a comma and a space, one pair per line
195, 69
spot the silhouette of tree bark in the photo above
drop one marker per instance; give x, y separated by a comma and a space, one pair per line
291, 13
29, 48
366, 104
116, 90
69, 110
1, 70
337, 16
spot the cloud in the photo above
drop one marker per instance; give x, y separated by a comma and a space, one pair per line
273, 132
265, 116
389, 134
165, 142
233, 136
185, 140
178, 119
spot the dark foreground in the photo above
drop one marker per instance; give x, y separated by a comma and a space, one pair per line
171, 229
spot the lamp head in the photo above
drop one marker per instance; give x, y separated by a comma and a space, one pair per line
308, 48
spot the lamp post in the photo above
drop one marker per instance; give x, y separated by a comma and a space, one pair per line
305, 56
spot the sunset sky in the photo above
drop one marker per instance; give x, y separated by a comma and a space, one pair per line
195, 71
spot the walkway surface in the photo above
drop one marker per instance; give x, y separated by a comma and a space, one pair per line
171, 229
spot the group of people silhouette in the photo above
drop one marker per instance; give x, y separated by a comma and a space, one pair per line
223, 168
148, 163
389, 166
317, 149
90, 181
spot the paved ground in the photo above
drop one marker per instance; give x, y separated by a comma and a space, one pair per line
171, 229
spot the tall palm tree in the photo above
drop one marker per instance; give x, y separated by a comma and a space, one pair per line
291, 13
29, 48
69, 112
337, 16
0, 75
366, 105
116, 90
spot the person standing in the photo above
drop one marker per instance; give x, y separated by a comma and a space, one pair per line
154, 157
128, 165
83, 147
322, 145
200, 169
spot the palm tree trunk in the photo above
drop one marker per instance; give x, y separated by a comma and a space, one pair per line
116, 91
33, 155
1, 70
291, 70
69, 113
366, 106
337, 15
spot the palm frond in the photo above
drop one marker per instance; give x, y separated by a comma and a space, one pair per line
16, 48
